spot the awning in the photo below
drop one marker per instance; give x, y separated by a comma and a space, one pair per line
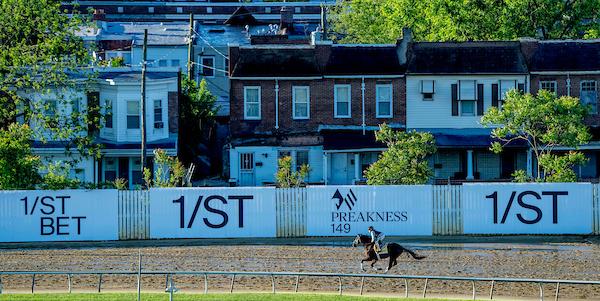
466, 138
350, 140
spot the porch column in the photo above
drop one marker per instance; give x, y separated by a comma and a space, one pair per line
356, 167
325, 168
529, 162
470, 165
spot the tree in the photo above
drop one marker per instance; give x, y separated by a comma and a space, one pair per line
197, 117
18, 166
404, 162
43, 75
286, 177
544, 122
381, 21
168, 171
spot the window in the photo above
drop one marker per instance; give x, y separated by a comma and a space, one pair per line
283, 154
384, 101
162, 63
75, 106
175, 63
301, 158
505, 86
209, 10
467, 108
133, 114
549, 86
126, 55
252, 103
207, 64
341, 97
150, 9
50, 107
589, 94
179, 9
466, 90
120, 9
297, 9
158, 120
110, 169
267, 10
108, 114
427, 89
136, 171
301, 102
246, 161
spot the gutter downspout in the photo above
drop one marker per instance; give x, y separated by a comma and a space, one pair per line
568, 85
276, 104
362, 87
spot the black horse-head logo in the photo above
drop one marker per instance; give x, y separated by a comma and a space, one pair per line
349, 200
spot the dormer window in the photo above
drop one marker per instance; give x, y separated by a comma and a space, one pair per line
427, 89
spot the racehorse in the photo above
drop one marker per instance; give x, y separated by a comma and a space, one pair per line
394, 250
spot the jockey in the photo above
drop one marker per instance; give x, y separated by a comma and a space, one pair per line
377, 238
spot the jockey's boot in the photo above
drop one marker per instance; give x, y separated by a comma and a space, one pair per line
378, 257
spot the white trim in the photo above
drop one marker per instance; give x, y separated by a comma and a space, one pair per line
246, 117
565, 72
335, 100
361, 150
391, 100
294, 88
460, 112
363, 76
202, 66
276, 78
553, 82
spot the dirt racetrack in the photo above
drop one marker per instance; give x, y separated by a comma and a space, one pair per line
576, 259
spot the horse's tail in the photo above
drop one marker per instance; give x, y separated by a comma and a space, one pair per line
414, 255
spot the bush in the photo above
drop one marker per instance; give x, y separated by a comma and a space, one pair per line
286, 177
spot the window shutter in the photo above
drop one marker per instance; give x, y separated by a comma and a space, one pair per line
480, 99
521, 88
454, 100
495, 95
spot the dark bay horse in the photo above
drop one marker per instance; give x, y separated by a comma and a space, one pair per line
394, 251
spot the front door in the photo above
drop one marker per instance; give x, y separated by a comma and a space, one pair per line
247, 169
342, 170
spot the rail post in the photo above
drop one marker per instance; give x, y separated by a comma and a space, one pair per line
69, 281
425, 287
492, 290
362, 284
0, 284
32, 282
99, 283
232, 281
473, 285
405, 288
555, 296
139, 277
340, 280
541, 291
297, 282
205, 283
273, 283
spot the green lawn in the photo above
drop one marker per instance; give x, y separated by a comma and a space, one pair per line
189, 297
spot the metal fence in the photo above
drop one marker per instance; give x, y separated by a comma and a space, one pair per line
170, 284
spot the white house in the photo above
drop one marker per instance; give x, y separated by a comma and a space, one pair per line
448, 88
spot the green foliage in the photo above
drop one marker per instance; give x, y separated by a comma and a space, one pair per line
57, 177
544, 121
381, 21
520, 176
404, 162
18, 165
120, 183
286, 177
168, 171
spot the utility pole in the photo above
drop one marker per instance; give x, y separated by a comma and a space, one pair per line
143, 101
190, 65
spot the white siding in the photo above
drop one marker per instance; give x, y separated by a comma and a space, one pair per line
438, 113
161, 53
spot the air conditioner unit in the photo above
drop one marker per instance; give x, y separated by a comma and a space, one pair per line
158, 125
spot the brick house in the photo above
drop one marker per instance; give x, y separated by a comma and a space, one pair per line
570, 67
319, 103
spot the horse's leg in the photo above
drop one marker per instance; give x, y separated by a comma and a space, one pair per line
373, 264
361, 263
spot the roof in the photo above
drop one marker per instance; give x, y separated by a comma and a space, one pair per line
281, 62
241, 16
170, 34
378, 60
136, 75
467, 58
303, 61
347, 140
566, 56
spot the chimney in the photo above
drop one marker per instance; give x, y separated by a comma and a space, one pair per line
287, 18
403, 44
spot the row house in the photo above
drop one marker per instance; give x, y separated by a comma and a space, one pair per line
570, 68
318, 103
448, 88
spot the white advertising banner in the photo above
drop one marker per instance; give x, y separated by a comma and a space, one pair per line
212, 212
58, 215
350, 210
511, 208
